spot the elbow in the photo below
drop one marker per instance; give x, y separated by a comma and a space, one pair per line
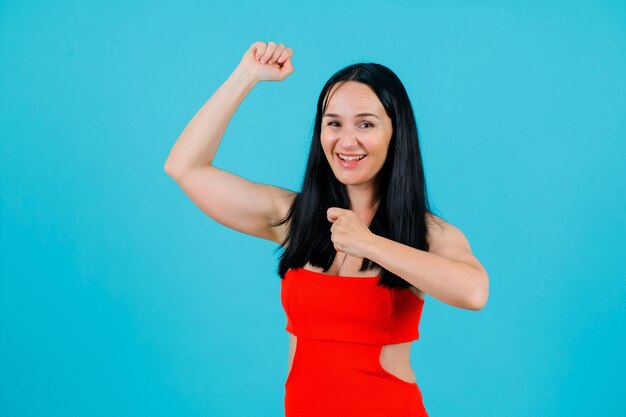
171, 169
480, 295
178, 170
168, 168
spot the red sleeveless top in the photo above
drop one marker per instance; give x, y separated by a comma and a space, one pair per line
350, 309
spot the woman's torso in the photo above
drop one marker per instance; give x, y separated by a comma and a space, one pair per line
394, 358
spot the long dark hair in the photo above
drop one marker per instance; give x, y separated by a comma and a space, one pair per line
401, 184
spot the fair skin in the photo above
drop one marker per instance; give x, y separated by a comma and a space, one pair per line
448, 271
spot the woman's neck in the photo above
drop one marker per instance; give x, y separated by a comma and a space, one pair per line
363, 201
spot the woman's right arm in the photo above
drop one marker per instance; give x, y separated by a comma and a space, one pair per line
227, 198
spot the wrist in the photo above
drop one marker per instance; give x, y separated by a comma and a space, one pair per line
244, 76
371, 247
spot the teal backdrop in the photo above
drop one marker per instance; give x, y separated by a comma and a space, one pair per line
119, 297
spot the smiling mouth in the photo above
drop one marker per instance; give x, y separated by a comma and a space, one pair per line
352, 162
351, 157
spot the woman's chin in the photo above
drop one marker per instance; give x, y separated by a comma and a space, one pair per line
351, 180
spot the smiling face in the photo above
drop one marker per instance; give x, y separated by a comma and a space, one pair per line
355, 123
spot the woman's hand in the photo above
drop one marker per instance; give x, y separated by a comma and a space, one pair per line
267, 61
348, 232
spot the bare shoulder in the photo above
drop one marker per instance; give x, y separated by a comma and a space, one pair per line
441, 232
448, 240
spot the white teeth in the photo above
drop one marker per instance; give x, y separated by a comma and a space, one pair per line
350, 158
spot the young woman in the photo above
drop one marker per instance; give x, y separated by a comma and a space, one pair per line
361, 247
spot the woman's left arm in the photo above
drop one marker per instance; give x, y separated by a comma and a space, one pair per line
448, 272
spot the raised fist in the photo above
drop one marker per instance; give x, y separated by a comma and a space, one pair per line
267, 61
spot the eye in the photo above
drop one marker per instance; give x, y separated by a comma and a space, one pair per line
336, 123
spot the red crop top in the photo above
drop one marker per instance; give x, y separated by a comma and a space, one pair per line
350, 309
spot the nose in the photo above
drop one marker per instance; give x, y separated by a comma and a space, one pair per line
348, 137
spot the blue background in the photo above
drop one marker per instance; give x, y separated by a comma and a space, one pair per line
120, 297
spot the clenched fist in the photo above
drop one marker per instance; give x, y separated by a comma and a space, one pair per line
349, 233
267, 61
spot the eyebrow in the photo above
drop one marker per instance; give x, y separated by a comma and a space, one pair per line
356, 115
